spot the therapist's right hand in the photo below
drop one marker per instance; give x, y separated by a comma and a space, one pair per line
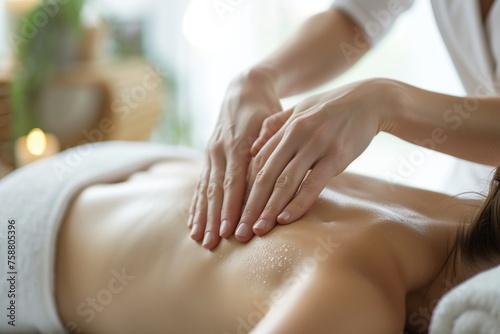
218, 200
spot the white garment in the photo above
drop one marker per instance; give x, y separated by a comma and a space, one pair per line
375, 17
473, 47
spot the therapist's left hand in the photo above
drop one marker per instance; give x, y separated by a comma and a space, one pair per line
300, 150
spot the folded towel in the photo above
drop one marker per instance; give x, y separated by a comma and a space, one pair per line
471, 307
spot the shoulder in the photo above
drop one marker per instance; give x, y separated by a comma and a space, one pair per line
393, 255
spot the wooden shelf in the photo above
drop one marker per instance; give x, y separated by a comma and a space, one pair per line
6, 147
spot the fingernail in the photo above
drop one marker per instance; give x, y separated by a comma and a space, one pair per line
195, 229
208, 238
260, 225
243, 230
223, 227
285, 216
190, 220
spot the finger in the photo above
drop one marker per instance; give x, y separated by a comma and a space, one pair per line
260, 160
214, 202
234, 190
270, 127
262, 189
200, 214
285, 188
309, 191
265, 134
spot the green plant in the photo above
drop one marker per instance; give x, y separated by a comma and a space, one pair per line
176, 126
39, 54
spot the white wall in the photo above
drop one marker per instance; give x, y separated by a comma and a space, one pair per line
3, 32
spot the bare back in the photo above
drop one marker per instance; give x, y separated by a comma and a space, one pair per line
126, 263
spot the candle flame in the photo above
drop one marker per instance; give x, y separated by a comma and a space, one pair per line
36, 142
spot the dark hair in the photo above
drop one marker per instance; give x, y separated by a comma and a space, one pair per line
481, 242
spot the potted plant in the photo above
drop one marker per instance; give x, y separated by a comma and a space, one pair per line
48, 39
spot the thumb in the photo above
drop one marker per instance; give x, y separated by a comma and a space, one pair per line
271, 125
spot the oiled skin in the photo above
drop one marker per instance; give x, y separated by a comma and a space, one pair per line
395, 238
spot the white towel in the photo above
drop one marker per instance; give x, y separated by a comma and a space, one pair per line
472, 307
34, 199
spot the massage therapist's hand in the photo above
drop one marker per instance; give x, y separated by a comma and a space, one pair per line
218, 200
300, 150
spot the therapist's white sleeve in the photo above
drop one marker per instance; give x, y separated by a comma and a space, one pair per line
374, 17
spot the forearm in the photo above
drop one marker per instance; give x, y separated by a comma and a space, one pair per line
328, 44
464, 127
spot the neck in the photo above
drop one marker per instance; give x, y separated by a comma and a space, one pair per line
420, 304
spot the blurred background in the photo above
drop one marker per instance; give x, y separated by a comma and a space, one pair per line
158, 70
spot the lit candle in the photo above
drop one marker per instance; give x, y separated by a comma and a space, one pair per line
35, 146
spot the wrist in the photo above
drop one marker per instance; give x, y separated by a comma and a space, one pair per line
396, 104
261, 74
256, 86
